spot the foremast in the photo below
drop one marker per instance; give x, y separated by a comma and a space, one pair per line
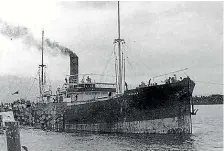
42, 66
120, 56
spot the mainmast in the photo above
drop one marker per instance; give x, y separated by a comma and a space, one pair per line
119, 40
119, 53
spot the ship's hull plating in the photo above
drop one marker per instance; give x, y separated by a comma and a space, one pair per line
156, 109
166, 125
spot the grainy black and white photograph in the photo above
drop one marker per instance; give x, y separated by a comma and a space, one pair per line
111, 75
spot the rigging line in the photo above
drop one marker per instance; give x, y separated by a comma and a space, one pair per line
128, 57
127, 49
143, 63
31, 85
115, 57
130, 54
107, 63
47, 77
116, 73
170, 73
129, 63
185, 73
150, 69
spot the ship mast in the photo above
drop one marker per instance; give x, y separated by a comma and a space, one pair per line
42, 68
119, 40
42, 65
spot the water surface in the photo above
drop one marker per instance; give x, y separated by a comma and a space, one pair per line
207, 136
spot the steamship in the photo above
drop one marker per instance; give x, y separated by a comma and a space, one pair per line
111, 107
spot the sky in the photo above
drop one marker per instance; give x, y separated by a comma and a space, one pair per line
160, 37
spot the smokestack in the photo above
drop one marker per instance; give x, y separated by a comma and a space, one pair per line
74, 64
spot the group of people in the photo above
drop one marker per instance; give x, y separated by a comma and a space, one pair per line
88, 80
167, 81
151, 84
172, 79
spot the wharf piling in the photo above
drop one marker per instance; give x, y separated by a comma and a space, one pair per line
13, 136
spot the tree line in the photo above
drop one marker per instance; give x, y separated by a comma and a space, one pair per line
207, 100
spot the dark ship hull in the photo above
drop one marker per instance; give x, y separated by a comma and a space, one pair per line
154, 109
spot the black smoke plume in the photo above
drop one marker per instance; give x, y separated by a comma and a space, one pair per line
19, 32
55, 45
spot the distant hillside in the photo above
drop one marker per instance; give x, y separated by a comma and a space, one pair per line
206, 100
27, 87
